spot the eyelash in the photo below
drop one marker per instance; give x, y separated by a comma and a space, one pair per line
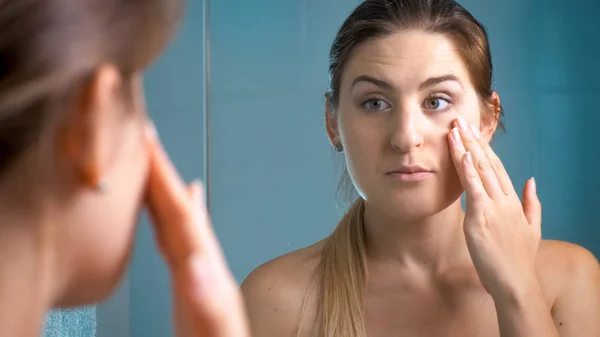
434, 97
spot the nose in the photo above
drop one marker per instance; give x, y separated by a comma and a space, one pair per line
406, 131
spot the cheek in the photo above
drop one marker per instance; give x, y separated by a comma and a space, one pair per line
469, 108
364, 140
111, 241
362, 137
131, 174
448, 175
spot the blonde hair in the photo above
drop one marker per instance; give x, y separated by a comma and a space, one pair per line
342, 278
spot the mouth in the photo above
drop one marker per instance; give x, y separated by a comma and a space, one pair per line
410, 174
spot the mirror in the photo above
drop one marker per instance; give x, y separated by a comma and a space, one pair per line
255, 129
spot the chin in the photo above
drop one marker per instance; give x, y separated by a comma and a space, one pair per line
91, 295
90, 290
96, 280
414, 204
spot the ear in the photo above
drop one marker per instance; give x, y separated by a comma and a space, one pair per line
490, 123
331, 123
87, 134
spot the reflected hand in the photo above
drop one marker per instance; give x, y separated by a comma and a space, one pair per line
207, 301
502, 234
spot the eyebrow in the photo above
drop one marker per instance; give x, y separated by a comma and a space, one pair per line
430, 82
372, 80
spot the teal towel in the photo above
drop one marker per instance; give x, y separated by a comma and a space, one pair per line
80, 322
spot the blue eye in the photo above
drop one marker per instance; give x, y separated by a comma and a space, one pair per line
376, 105
436, 103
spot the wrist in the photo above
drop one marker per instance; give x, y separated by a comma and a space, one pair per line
523, 310
519, 295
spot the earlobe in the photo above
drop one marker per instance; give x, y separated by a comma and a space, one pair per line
331, 124
496, 102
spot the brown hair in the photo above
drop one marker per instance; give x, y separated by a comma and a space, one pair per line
342, 274
50, 48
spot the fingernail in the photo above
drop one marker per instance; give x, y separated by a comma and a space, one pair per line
468, 158
475, 131
461, 123
455, 135
534, 187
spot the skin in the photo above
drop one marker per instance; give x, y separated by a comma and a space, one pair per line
434, 270
59, 247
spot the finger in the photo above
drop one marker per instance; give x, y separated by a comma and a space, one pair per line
458, 153
170, 206
476, 194
480, 160
496, 164
204, 231
531, 205
166, 190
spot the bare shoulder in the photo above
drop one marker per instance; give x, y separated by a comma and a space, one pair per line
573, 273
567, 259
275, 292
561, 262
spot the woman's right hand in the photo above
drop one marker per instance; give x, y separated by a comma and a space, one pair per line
206, 298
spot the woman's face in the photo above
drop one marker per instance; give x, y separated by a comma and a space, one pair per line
399, 96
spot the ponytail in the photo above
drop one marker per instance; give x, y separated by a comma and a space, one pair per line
342, 279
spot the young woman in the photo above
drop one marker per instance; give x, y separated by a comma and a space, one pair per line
78, 159
412, 109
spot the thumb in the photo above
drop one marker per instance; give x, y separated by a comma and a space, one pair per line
203, 230
531, 204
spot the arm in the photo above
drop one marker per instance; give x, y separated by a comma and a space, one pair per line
525, 313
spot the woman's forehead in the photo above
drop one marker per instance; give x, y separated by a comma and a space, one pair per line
411, 56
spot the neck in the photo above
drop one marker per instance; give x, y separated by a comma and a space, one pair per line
432, 244
24, 281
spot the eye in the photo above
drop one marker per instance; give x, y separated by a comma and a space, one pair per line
376, 104
436, 103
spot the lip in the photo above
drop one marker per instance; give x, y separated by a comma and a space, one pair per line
410, 174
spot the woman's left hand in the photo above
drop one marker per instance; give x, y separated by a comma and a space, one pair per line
502, 233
